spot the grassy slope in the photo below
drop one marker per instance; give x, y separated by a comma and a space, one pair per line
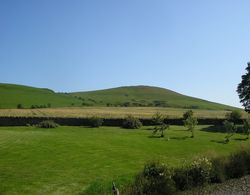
146, 95
67, 159
11, 95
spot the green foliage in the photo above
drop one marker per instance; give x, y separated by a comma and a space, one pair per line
188, 114
95, 121
158, 119
190, 124
234, 116
200, 171
155, 179
243, 89
218, 173
238, 164
230, 128
47, 124
130, 122
19, 106
246, 128
161, 129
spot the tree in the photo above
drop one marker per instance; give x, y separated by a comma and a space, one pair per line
246, 128
158, 119
161, 129
190, 123
187, 114
244, 89
234, 116
230, 129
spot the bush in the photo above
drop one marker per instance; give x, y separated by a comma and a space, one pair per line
19, 106
238, 164
156, 179
131, 122
182, 178
218, 173
47, 124
95, 121
200, 171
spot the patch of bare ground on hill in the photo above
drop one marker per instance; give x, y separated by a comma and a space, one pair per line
239, 186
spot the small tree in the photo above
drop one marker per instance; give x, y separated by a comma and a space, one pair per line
243, 89
161, 129
230, 129
190, 123
158, 118
234, 116
187, 114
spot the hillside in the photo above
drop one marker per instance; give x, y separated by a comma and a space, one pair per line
133, 96
145, 96
12, 95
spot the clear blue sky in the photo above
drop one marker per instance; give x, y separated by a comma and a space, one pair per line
196, 47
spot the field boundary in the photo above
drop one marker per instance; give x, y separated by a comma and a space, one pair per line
24, 121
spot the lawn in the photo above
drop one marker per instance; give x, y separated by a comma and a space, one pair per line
66, 160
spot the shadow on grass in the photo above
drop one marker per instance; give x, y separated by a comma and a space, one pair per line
214, 129
240, 139
219, 141
155, 136
180, 138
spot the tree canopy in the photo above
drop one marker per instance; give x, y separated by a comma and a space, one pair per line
244, 89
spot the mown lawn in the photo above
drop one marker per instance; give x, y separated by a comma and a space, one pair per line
66, 160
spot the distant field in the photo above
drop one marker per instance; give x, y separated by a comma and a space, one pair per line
111, 112
67, 160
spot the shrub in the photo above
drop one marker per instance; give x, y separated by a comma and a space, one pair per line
19, 106
182, 178
155, 179
131, 122
200, 171
47, 124
238, 164
218, 172
95, 121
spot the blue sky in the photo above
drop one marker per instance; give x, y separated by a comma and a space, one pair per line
197, 47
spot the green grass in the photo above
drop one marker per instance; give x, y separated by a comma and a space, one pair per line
11, 95
138, 96
66, 160
146, 96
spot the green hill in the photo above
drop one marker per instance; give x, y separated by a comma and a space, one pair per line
134, 96
145, 96
12, 95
